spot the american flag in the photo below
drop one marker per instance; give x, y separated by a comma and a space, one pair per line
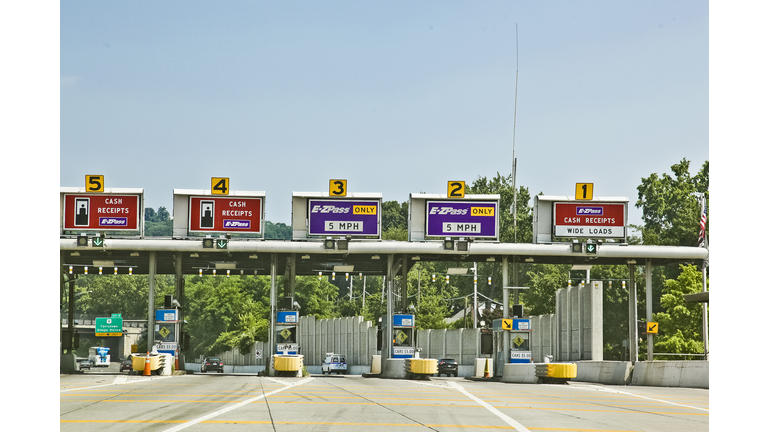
703, 222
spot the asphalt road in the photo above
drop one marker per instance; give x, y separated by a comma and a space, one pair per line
112, 401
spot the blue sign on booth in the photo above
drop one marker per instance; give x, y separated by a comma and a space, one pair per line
288, 317
162, 315
403, 321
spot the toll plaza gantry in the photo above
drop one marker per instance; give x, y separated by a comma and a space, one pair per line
334, 232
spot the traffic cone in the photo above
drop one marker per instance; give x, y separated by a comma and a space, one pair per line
485, 372
147, 369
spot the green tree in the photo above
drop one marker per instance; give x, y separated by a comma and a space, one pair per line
503, 186
277, 231
671, 210
680, 325
544, 281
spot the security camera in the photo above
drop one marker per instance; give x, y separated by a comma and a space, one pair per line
296, 304
175, 303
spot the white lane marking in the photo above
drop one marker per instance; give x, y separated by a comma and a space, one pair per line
232, 407
603, 389
499, 414
116, 382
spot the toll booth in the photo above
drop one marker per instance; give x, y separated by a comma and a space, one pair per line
403, 335
518, 330
287, 332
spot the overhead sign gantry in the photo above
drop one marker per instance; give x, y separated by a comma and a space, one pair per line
94, 208
455, 214
336, 214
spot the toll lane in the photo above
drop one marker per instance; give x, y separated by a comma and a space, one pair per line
350, 403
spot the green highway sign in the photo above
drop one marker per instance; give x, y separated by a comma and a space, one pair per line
112, 326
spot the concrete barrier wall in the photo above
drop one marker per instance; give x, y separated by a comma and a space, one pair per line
604, 372
681, 373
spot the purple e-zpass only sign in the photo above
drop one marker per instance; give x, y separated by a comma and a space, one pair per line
342, 217
462, 218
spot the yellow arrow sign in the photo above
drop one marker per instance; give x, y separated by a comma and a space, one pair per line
506, 324
652, 327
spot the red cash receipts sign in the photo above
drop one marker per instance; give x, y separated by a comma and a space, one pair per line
101, 212
589, 220
231, 214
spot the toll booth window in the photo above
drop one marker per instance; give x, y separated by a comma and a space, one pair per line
520, 343
403, 337
286, 335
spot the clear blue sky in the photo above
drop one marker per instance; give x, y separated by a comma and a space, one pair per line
396, 97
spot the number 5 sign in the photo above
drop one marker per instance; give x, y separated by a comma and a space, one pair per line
94, 183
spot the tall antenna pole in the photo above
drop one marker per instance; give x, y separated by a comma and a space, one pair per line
514, 128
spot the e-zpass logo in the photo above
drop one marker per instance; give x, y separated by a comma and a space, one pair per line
329, 209
447, 210
597, 211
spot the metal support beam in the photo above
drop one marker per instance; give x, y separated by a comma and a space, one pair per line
632, 315
704, 324
387, 335
505, 312
404, 286
151, 303
272, 305
649, 305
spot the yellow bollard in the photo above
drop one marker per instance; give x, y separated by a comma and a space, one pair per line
485, 372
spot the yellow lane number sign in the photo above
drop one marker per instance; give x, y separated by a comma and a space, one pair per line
220, 185
584, 191
456, 189
94, 183
338, 188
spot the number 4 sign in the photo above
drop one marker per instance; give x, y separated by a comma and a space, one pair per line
220, 185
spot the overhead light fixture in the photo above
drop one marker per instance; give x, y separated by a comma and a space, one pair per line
631, 262
491, 259
253, 256
329, 243
305, 257
344, 268
194, 255
529, 260
375, 257
134, 254
75, 254
576, 247
416, 258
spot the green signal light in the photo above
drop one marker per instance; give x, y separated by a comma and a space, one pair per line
591, 248
97, 241
221, 244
